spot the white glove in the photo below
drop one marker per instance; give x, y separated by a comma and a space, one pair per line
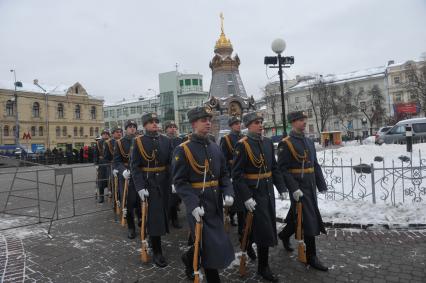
297, 195
173, 189
124, 212
126, 174
96, 167
283, 195
229, 200
198, 212
115, 172
143, 194
118, 204
250, 204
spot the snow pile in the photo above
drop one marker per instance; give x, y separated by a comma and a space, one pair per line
363, 212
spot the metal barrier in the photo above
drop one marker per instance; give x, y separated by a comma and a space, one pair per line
35, 195
401, 182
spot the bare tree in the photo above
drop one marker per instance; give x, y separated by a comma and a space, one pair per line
415, 82
272, 100
345, 105
320, 97
373, 109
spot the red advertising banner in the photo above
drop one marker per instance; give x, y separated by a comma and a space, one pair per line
407, 108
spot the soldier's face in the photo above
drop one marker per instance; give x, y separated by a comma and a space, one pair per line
152, 126
117, 135
202, 126
256, 127
236, 127
171, 130
131, 130
105, 136
299, 124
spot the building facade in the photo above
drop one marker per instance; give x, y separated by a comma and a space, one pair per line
178, 93
116, 114
51, 116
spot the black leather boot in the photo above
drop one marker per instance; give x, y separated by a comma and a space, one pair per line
187, 261
286, 242
158, 257
131, 233
263, 265
311, 254
176, 224
314, 262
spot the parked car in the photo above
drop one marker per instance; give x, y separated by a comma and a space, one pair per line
397, 133
381, 132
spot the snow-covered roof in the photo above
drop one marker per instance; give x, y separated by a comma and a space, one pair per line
130, 101
60, 90
346, 77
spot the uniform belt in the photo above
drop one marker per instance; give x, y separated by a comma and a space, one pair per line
258, 176
207, 184
300, 170
101, 157
153, 169
231, 161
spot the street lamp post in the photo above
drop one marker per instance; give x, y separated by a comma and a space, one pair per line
47, 113
15, 95
278, 46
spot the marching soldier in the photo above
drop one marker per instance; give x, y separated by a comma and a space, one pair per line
101, 164
109, 153
171, 133
201, 179
254, 172
150, 171
227, 145
121, 165
298, 163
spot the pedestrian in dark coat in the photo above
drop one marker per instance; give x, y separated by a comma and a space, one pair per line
101, 165
202, 181
255, 171
174, 201
150, 168
298, 163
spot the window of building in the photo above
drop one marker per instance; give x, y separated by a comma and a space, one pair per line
363, 105
126, 111
398, 96
181, 82
230, 78
410, 78
296, 99
336, 125
58, 131
93, 112
36, 110
33, 131
77, 112
76, 89
97, 131
60, 111
14, 131
201, 82
91, 131
310, 115
40, 131
194, 81
105, 114
139, 109
81, 131
119, 112
188, 82
132, 110
396, 80
112, 113
348, 108
9, 108
75, 131
231, 89
64, 131
311, 128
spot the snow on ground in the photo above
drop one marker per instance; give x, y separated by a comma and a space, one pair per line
367, 152
363, 212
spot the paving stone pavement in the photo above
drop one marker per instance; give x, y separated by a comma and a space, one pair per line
94, 248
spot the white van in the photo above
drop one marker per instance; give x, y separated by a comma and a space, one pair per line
397, 133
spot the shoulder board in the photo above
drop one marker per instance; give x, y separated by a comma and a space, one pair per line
243, 139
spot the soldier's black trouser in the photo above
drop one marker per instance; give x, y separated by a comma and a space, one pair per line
290, 229
241, 217
156, 244
133, 207
212, 275
263, 256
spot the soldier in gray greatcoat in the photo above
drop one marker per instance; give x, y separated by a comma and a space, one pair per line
202, 181
297, 160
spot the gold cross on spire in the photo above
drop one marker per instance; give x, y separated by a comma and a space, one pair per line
221, 22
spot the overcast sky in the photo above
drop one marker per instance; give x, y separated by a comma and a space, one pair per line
117, 48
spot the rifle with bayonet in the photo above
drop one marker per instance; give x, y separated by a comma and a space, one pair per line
301, 250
